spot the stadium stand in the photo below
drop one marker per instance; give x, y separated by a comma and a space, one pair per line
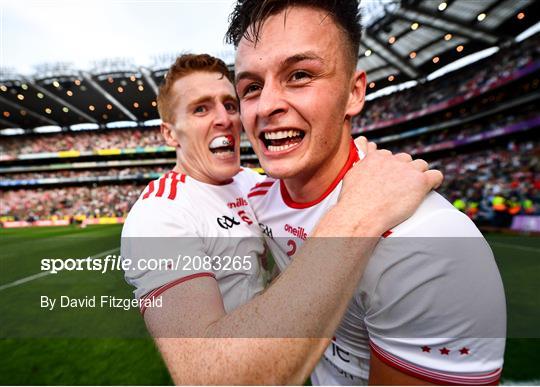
81, 141
68, 203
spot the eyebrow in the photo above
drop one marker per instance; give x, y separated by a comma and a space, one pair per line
308, 55
207, 98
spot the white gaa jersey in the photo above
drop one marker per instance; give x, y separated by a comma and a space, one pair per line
430, 303
184, 219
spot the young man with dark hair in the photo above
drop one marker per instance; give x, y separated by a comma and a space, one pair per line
430, 307
214, 326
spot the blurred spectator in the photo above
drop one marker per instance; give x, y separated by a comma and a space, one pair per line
97, 201
76, 173
490, 186
81, 141
417, 144
494, 185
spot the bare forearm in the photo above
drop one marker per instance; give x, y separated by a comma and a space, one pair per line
303, 307
308, 299
236, 361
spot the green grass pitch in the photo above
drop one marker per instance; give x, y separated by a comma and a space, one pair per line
48, 348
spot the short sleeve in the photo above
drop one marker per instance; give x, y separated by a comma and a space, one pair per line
437, 310
160, 241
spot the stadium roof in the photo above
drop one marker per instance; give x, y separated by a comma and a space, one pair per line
408, 41
420, 37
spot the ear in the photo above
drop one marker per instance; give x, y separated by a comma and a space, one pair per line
357, 94
167, 131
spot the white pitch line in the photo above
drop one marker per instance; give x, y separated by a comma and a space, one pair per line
524, 248
46, 273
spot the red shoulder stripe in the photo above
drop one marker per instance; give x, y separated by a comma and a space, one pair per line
263, 184
161, 188
150, 190
257, 193
174, 186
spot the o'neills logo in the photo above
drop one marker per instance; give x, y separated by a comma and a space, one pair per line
296, 231
240, 202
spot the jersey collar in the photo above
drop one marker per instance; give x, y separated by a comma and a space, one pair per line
353, 158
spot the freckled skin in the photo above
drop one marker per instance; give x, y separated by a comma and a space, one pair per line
194, 125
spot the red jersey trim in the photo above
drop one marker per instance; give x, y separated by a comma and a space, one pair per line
161, 188
174, 184
162, 181
150, 190
353, 157
263, 185
387, 233
156, 292
256, 193
485, 379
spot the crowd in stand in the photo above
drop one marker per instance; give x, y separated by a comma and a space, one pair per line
415, 145
459, 83
493, 185
74, 173
69, 202
81, 141
475, 183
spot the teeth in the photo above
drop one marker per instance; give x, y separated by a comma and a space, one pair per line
221, 141
281, 134
275, 148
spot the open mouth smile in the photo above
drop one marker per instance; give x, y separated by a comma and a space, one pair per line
281, 140
222, 145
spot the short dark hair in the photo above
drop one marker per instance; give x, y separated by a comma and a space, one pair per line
248, 17
183, 66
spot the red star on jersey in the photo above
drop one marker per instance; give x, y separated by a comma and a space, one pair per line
444, 351
425, 348
464, 351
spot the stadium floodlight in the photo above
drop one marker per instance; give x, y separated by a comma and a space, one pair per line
47, 129
391, 89
121, 124
532, 30
154, 122
469, 59
148, 78
11, 131
85, 126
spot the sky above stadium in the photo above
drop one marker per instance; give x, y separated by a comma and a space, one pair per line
34, 32
83, 33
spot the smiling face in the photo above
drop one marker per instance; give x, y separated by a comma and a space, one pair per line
297, 93
205, 127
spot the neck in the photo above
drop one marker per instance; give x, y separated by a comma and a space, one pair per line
194, 174
311, 186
